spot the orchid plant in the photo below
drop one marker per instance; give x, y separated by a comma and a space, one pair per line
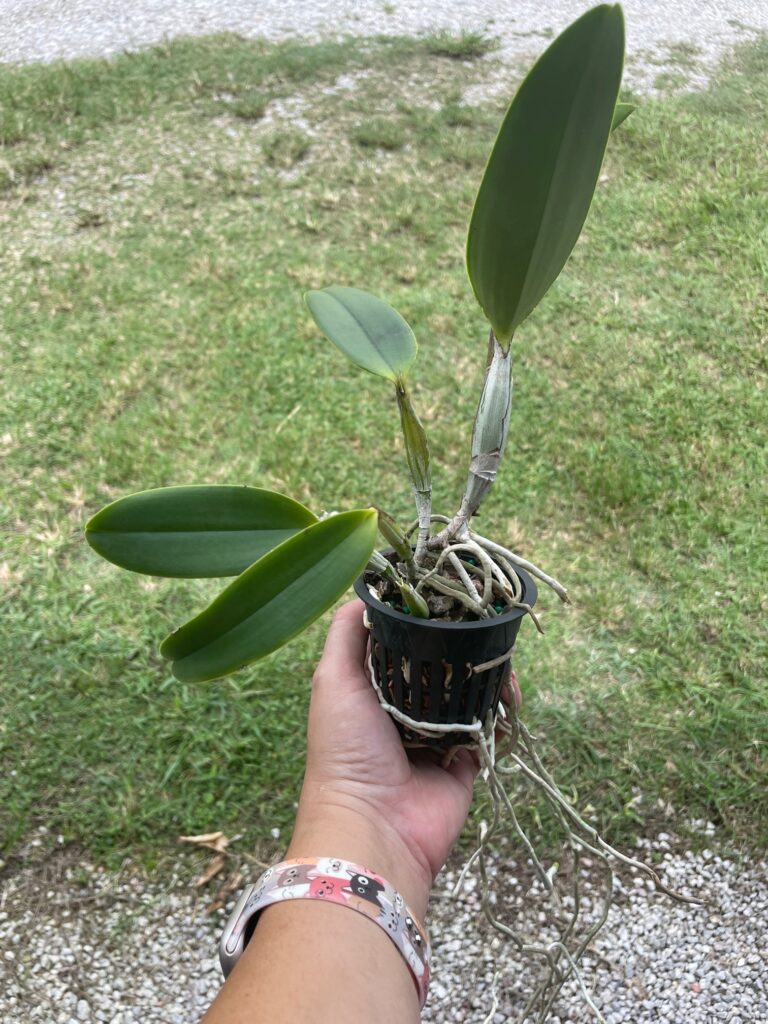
289, 564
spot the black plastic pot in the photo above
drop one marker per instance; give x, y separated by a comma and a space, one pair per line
425, 667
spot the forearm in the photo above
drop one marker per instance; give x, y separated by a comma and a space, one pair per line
312, 961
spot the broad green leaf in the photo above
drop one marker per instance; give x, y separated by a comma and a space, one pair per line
543, 169
368, 331
621, 113
195, 532
275, 599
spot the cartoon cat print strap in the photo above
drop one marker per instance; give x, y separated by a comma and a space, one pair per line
338, 881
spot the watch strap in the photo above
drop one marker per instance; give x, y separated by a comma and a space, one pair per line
335, 881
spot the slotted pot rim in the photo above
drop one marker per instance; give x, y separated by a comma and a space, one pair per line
529, 595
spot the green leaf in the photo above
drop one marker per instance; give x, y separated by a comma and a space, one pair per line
195, 532
394, 536
416, 444
543, 169
413, 601
621, 113
368, 331
275, 599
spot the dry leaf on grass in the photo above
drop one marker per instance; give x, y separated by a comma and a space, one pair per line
216, 841
212, 870
232, 884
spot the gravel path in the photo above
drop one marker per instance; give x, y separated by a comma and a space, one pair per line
48, 29
78, 944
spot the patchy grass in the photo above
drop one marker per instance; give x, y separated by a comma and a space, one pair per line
251, 106
464, 46
286, 148
380, 134
153, 333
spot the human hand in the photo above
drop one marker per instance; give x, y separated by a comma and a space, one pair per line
360, 781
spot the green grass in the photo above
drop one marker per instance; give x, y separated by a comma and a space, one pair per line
156, 246
251, 106
464, 46
380, 133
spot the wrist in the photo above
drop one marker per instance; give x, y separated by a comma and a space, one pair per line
334, 825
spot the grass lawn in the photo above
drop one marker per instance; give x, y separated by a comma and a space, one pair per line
162, 214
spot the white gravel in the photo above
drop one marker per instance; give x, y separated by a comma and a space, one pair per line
655, 960
80, 944
39, 30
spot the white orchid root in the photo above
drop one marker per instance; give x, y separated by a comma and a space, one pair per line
507, 751
476, 573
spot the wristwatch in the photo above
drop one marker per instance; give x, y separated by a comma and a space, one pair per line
239, 929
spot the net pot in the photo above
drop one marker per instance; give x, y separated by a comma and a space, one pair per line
426, 668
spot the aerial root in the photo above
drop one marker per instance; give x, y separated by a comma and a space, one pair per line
507, 751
